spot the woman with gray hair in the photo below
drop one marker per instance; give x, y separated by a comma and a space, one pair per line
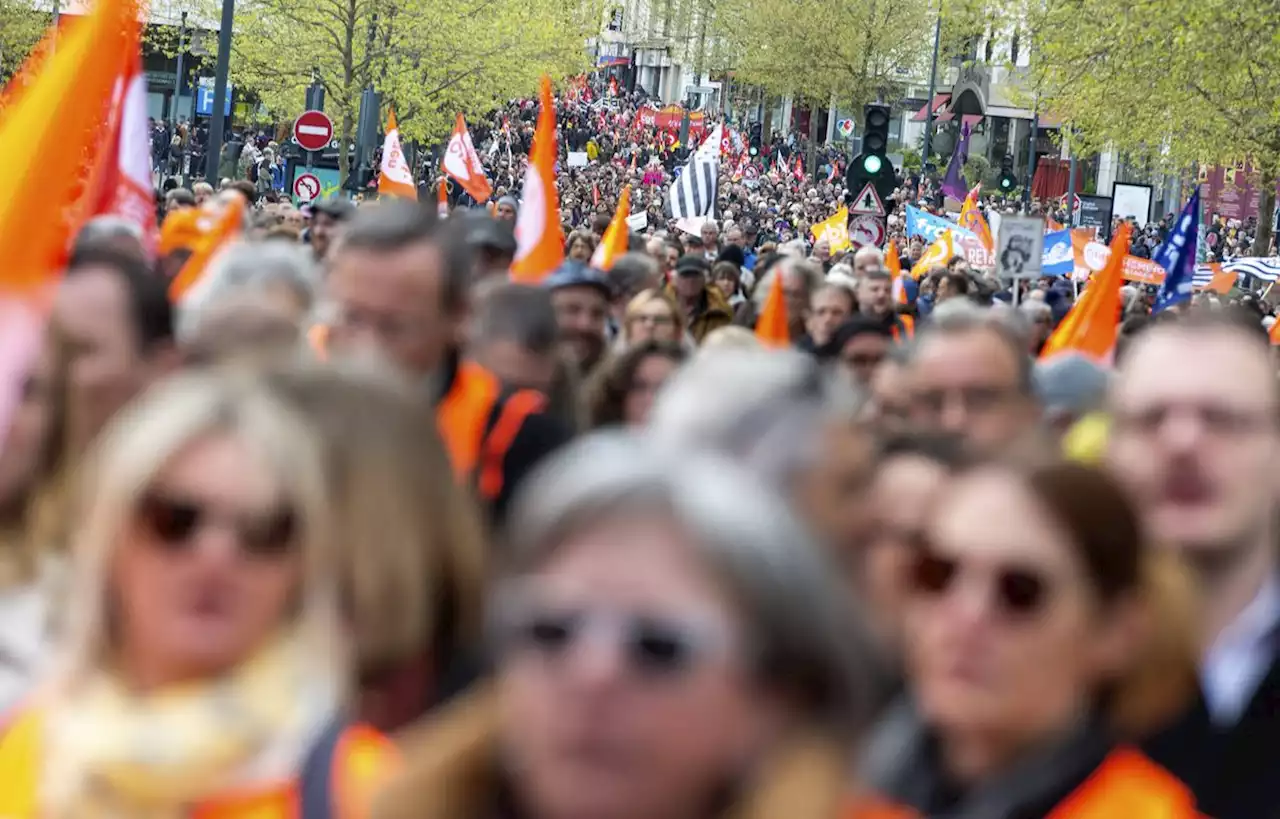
668, 643
785, 418
255, 297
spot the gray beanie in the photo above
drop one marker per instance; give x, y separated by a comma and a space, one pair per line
1070, 384
509, 200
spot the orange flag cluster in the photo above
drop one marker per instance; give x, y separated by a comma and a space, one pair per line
66, 159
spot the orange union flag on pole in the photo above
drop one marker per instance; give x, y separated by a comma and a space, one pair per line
463, 163
395, 177
539, 238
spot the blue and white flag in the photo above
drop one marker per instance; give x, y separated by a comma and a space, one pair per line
1178, 257
929, 227
1263, 269
1059, 259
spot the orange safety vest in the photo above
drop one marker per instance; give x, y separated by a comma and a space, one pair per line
339, 780
476, 441
1126, 785
904, 329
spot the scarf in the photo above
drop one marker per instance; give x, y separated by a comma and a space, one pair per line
115, 755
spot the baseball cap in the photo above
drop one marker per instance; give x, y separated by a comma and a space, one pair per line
690, 264
576, 274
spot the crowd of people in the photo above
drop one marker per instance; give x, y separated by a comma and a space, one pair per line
356, 525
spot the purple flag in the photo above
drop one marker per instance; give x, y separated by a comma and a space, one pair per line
953, 184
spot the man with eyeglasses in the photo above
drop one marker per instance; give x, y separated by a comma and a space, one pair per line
1196, 436
400, 286
971, 377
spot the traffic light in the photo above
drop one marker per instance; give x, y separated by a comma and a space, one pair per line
1008, 181
872, 166
755, 138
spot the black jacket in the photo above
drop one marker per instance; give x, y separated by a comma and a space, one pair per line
1233, 771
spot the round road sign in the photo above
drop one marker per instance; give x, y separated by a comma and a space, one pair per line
867, 230
306, 187
313, 130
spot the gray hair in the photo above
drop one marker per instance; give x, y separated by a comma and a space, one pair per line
761, 407
104, 230
960, 316
1036, 309
247, 267
787, 265
805, 638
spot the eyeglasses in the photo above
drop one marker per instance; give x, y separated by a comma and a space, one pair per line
1018, 592
651, 645
175, 521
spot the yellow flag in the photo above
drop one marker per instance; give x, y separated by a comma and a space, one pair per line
835, 230
940, 252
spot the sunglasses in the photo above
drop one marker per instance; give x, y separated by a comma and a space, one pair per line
175, 521
652, 646
1018, 592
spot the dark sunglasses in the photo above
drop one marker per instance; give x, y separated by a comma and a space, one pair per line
1019, 592
175, 521
651, 645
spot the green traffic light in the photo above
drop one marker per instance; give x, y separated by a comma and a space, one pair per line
871, 163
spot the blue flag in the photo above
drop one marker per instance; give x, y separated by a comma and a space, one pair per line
1058, 259
1178, 257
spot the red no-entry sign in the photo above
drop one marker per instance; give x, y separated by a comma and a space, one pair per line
313, 130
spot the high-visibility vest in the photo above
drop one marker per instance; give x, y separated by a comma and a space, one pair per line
338, 780
1126, 785
479, 423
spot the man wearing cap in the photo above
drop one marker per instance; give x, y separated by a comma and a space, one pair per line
327, 219
506, 209
703, 304
580, 297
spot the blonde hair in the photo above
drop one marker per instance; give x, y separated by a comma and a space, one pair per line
138, 443
646, 297
409, 542
730, 337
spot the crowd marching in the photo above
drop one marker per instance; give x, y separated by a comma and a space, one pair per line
542, 499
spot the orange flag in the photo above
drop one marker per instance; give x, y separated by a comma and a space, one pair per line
442, 198
972, 219
1090, 326
51, 133
217, 229
395, 178
772, 327
893, 262
614, 242
539, 237
463, 163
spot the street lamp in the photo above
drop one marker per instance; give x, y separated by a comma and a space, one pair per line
217, 117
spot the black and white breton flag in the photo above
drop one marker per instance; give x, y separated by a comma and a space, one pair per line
693, 194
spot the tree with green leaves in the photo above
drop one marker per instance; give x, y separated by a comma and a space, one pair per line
21, 27
1179, 82
429, 59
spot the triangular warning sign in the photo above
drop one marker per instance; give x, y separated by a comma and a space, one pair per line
868, 202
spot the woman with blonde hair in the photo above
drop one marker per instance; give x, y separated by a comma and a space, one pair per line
409, 541
205, 669
653, 315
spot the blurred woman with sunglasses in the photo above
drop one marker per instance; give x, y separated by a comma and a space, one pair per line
205, 672
1034, 621
668, 644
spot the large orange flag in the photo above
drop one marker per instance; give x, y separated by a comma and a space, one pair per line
51, 136
1090, 326
216, 231
395, 177
614, 242
539, 237
772, 327
938, 253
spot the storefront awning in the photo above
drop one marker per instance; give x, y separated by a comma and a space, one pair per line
939, 100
